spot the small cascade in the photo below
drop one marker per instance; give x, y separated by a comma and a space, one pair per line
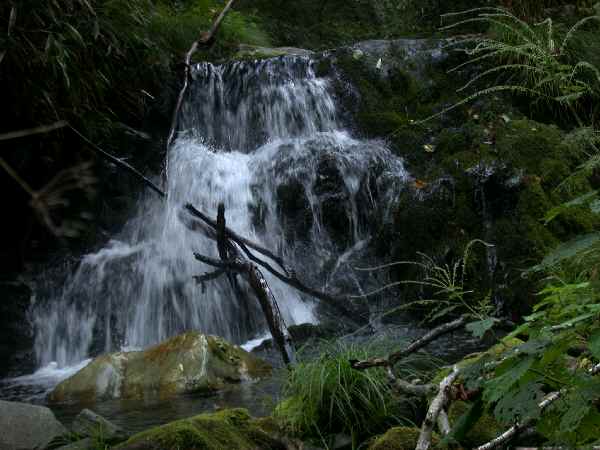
263, 138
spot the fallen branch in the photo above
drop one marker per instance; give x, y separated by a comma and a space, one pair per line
231, 263
437, 404
413, 347
419, 390
443, 423
230, 234
33, 131
522, 426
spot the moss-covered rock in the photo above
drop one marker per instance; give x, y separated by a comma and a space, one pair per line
228, 429
400, 438
483, 430
191, 362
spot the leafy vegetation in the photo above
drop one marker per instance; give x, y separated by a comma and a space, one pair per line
558, 357
109, 68
537, 61
324, 396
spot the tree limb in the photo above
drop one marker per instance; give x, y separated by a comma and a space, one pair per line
32, 131
443, 423
413, 347
439, 402
240, 240
419, 390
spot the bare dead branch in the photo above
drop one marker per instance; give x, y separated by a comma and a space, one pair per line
33, 131
119, 162
413, 347
202, 279
439, 402
240, 240
419, 390
443, 423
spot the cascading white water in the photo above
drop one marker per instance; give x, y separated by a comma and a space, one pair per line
257, 136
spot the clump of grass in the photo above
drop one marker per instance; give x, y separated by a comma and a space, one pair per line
325, 395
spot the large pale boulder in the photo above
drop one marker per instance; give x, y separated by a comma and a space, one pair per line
191, 362
24, 426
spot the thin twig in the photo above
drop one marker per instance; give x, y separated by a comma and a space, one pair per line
33, 131
119, 162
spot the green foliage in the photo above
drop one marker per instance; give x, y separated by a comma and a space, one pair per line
536, 61
326, 396
92, 61
448, 284
515, 381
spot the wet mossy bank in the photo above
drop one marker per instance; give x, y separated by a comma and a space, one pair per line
481, 171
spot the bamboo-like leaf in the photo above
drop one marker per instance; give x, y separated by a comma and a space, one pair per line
12, 19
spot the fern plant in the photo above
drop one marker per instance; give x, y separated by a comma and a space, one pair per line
449, 288
528, 59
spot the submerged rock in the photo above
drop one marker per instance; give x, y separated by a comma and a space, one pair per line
191, 362
88, 423
233, 429
24, 426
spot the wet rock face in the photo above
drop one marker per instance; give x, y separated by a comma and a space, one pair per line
334, 200
294, 210
188, 363
24, 426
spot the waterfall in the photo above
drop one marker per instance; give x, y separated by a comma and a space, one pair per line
264, 138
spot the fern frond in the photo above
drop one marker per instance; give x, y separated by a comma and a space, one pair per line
501, 68
482, 93
574, 29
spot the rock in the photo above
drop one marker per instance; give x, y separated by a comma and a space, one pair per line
189, 363
88, 423
231, 429
82, 444
400, 438
253, 52
24, 426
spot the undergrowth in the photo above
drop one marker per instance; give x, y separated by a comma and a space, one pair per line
324, 395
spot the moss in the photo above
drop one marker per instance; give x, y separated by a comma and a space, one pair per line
484, 430
400, 438
226, 429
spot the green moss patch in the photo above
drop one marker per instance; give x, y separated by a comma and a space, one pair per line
225, 429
